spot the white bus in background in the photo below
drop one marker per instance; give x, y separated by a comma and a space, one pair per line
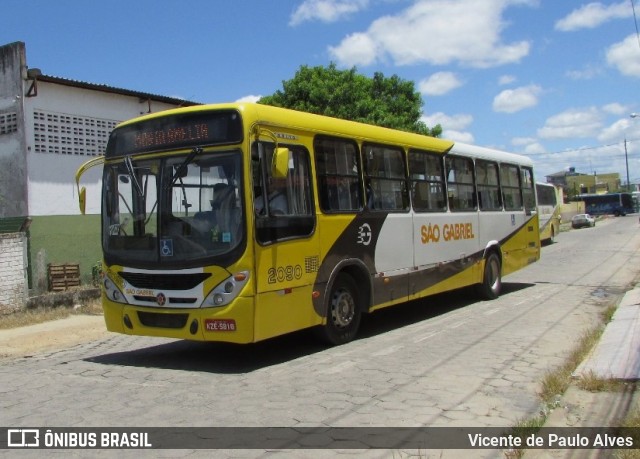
549, 200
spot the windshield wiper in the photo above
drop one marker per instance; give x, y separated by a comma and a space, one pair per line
132, 173
182, 168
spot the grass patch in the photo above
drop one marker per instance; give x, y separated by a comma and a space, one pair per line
557, 381
633, 421
65, 239
593, 383
23, 318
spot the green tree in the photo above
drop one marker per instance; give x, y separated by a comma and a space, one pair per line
346, 94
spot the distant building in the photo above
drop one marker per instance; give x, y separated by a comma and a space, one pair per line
49, 126
574, 183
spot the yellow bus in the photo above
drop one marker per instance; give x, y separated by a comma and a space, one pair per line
549, 200
241, 222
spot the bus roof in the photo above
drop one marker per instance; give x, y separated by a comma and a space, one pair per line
490, 153
275, 116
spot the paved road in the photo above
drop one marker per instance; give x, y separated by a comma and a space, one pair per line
447, 361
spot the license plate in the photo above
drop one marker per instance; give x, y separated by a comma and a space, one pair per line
216, 325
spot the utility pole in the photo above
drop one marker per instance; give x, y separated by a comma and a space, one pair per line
626, 160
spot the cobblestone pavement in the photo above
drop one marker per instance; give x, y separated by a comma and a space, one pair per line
448, 361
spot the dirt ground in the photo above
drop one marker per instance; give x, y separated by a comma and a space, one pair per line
57, 334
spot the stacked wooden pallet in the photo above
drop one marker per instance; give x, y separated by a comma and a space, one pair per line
63, 276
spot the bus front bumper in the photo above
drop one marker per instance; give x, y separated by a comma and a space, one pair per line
233, 323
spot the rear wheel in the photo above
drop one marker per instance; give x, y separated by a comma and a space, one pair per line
489, 288
343, 311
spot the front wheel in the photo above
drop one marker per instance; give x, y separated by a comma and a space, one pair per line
489, 288
343, 312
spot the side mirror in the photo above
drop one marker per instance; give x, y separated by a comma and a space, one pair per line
82, 192
280, 163
82, 199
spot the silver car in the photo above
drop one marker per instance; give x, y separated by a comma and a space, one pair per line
582, 220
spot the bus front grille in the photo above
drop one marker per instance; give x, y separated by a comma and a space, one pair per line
171, 300
164, 281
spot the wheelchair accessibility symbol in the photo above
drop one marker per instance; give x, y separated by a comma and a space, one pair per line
166, 247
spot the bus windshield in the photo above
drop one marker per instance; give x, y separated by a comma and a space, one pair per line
176, 211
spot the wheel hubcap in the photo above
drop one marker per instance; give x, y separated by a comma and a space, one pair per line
494, 275
343, 308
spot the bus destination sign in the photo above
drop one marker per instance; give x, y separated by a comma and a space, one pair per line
204, 128
169, 136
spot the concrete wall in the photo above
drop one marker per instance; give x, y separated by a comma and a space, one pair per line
13, 165
13, 271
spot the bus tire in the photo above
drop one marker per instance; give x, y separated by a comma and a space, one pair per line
344, 311
489, 288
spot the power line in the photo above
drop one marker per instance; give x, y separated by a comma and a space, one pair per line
597, 147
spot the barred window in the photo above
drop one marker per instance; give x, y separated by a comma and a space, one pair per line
70, 135
8, 123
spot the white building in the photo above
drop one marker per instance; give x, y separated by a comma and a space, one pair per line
48, 127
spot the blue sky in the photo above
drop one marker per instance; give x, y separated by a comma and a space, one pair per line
555, 80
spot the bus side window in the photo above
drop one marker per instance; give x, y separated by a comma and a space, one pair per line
338, 171
510, 183
488, 185
460, 184
427, 181
385, 178
283, 205
528, 193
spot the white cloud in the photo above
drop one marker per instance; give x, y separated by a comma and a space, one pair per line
528, 145
617, 109
592, 15
572, 123
458, 136
616, 132
453, 126
587, 73
506, 79
437, 32
625, 56
514, 100
453, 122
520, 141
249, 98
356, 49
534, 148
439, 83
326, 10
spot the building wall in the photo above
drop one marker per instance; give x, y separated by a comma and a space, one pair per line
13, 271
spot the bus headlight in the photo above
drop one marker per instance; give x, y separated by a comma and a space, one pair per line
226, 291
113, 292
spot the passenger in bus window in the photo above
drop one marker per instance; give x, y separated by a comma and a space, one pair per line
277, 198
